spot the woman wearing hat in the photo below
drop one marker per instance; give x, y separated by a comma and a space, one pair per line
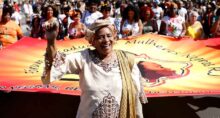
107, 87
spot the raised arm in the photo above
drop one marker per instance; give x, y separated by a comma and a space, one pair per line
51, 34
52, 29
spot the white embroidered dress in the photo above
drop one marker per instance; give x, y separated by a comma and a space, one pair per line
100, 84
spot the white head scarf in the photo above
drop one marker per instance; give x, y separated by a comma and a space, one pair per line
90, 32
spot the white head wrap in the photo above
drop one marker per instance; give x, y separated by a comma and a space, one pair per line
90, 32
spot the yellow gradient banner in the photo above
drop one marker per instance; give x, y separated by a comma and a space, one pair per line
169, 67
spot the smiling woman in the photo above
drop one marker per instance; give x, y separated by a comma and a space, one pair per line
110, 86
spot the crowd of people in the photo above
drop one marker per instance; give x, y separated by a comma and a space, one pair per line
110, 80
197, 19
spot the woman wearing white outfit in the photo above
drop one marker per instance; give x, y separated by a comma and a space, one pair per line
107, 87
131, 25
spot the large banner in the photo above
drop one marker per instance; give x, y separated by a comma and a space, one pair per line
170, 67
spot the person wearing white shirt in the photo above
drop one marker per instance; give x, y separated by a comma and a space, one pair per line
28, 10
158, 11
89, 16
106, 12
182, 11
16, 17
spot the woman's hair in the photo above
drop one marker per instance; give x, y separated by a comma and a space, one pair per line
7, 9
172, 6
117, 4
36, 18
76, 12
143, 11
213, 7
91, 2
141, 4
105, 8
131, 8
194, 13
65, 9
44, 13
218, 12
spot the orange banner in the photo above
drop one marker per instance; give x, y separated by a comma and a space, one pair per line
169, 67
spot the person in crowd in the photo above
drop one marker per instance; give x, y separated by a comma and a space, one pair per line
35, 31
215, 30
65, 18
10, 31
16, 6
131, 24
65, 5
37, 7
49, 15
149, 24
28, 10
142, 6
157, 10
194, 27
173, 24
182, 10
92, 14
190, 6
118, 17
208, 20
164, 5
200, 8
105, 10
16, 16
98, 68
76, 28
68, 19
81, 5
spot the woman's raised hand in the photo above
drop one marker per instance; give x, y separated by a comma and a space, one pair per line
52, 29
50, 26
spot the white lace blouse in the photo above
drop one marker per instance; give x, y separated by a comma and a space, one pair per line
100, 84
